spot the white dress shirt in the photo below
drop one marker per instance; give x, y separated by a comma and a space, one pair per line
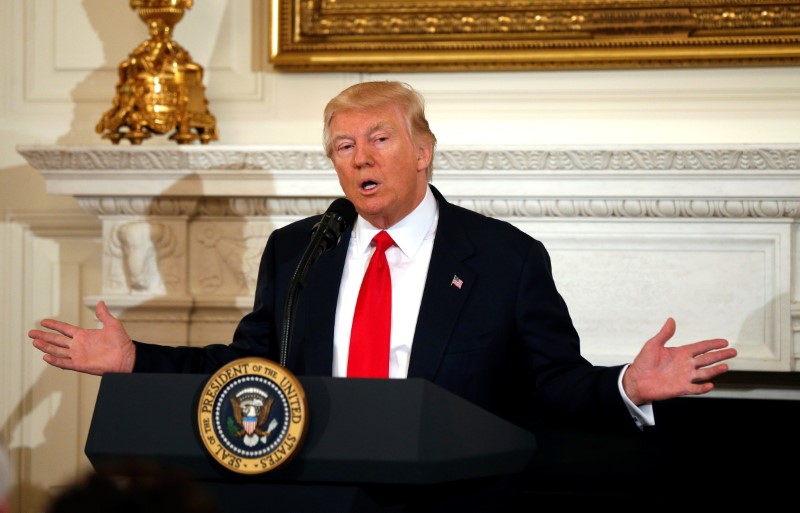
408, 263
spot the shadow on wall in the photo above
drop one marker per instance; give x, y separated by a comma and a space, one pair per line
147, 278
87, 112
46, 440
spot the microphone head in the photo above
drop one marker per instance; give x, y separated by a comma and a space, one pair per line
341, 214
345, 212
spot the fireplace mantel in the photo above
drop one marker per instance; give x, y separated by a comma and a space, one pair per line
706, 234
752, 174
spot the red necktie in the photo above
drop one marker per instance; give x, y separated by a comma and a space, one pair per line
372, 321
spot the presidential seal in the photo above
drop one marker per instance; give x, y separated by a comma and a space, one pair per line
252, 415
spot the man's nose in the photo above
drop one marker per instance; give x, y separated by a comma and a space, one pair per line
362, 156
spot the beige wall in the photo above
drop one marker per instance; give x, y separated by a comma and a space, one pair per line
58, 62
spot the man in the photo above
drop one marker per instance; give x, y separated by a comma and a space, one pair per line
474, 305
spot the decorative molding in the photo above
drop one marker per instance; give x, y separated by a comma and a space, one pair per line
497, 207
722, 159
247, 207
659, 208
173, 158
139, 206
230, 181
747, 158
57, 224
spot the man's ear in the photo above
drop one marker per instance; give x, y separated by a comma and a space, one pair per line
424, 156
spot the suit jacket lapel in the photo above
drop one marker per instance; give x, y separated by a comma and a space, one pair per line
314, 330
443, 297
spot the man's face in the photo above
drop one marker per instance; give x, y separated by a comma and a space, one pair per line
381, 170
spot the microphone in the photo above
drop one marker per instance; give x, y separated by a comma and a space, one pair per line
339, 216
325, 235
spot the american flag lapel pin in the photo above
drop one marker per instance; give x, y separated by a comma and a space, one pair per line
457, 282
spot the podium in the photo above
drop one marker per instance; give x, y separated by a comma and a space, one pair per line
371, 444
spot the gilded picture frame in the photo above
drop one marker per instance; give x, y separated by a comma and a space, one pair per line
468, 35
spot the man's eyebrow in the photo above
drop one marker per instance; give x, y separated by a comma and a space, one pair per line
380, 125
375, 127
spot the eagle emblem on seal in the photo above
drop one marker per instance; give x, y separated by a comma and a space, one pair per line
251, 407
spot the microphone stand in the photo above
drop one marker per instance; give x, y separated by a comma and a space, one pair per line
315, 249
325, 235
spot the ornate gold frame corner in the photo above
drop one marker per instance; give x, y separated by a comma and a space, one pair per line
470, 35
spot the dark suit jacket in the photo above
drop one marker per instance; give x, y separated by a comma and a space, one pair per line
503, 340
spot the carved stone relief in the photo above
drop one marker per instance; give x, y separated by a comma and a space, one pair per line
145, 257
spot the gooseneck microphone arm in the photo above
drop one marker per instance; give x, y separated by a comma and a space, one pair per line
341, 214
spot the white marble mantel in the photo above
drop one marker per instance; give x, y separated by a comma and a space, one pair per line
750, 175
708, 235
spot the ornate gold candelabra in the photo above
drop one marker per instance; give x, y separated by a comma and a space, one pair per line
160, 89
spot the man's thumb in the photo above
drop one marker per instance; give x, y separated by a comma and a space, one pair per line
666, 332
102, 313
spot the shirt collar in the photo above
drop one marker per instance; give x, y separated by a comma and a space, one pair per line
408, 234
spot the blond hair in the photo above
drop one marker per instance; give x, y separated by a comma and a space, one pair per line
369, 95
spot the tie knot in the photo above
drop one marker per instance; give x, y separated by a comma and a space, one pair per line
383, 241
